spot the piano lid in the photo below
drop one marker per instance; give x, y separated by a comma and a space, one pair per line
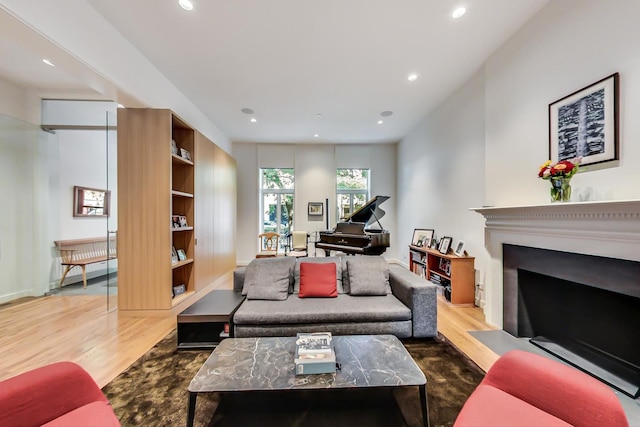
370, 212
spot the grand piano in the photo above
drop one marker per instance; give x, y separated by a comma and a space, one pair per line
353, 235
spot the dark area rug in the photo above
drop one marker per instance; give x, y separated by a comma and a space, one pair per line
153, 392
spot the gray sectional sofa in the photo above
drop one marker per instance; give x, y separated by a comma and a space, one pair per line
373, 297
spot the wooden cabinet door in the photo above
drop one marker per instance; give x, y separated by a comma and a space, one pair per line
224, 218
205, 212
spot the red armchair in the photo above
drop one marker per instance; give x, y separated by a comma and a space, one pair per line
61, 394
526, 389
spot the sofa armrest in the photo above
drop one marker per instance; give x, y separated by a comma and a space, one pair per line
420, 296
557, 389
238, 278
44, 394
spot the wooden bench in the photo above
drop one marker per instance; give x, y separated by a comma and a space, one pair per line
82, 252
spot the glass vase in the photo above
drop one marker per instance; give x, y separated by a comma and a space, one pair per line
560, 189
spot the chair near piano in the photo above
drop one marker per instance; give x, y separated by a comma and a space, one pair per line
297, 244
269, 243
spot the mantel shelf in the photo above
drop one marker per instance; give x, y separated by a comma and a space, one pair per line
586, 210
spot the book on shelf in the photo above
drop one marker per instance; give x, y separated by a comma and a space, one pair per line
314, 354
225, 331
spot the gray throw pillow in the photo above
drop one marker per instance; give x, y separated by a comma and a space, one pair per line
368, 275
268, 278
320, 260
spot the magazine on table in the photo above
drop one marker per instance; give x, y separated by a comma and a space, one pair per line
313, 343
314, 354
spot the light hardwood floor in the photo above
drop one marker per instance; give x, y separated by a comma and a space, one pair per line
79, 329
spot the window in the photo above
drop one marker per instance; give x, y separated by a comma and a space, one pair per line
352, 189
276, 201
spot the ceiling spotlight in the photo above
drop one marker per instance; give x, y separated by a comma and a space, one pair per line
380, 122
386, 113
458, 13
253, 120
318, 114
315, 135
412, 77
247, 111
186, 5
46, 61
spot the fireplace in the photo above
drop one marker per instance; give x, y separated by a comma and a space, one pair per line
584, 309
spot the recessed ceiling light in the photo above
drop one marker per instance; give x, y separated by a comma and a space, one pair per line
386, 113
186, 4
318, 114
247, 111
412, 77
253, 120
380, 122
315, 135
46, 61
458, 13
120, 106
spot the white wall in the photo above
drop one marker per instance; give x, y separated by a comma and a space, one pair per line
567, 46
12, 100
315, 169
441, 172
502, 110
23, 219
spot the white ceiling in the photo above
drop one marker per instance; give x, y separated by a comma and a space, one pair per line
290, 60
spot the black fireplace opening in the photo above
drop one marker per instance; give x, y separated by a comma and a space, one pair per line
594, 329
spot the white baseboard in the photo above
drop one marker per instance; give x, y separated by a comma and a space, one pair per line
15, 295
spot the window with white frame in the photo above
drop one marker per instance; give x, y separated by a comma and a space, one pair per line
276, 200
352, 189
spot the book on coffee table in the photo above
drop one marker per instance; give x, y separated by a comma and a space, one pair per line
314, 354
317, 342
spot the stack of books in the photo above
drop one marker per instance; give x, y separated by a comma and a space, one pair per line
439, 280
315, 354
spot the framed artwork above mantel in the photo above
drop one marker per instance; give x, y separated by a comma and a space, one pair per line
585, 123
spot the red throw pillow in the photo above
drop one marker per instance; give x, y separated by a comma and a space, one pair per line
318, 280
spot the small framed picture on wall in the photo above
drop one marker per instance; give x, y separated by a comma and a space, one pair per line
315, 209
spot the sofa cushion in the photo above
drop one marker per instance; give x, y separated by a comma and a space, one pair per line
268, 278
343, 308
368, 276
318, 280
488, 405
320, 260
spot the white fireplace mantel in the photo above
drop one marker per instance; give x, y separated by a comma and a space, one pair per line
605, 228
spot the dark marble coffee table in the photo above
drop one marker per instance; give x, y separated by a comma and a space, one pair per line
260, 364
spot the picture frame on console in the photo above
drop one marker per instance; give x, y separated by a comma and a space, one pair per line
185, 154
585, 123
422, 237
459, 250
445, 245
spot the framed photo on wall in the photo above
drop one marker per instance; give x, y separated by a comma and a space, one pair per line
585, 123
422, 237
315, 209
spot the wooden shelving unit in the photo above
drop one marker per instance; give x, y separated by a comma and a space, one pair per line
458, 272
154, 185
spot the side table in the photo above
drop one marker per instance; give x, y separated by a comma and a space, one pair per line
202, 325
